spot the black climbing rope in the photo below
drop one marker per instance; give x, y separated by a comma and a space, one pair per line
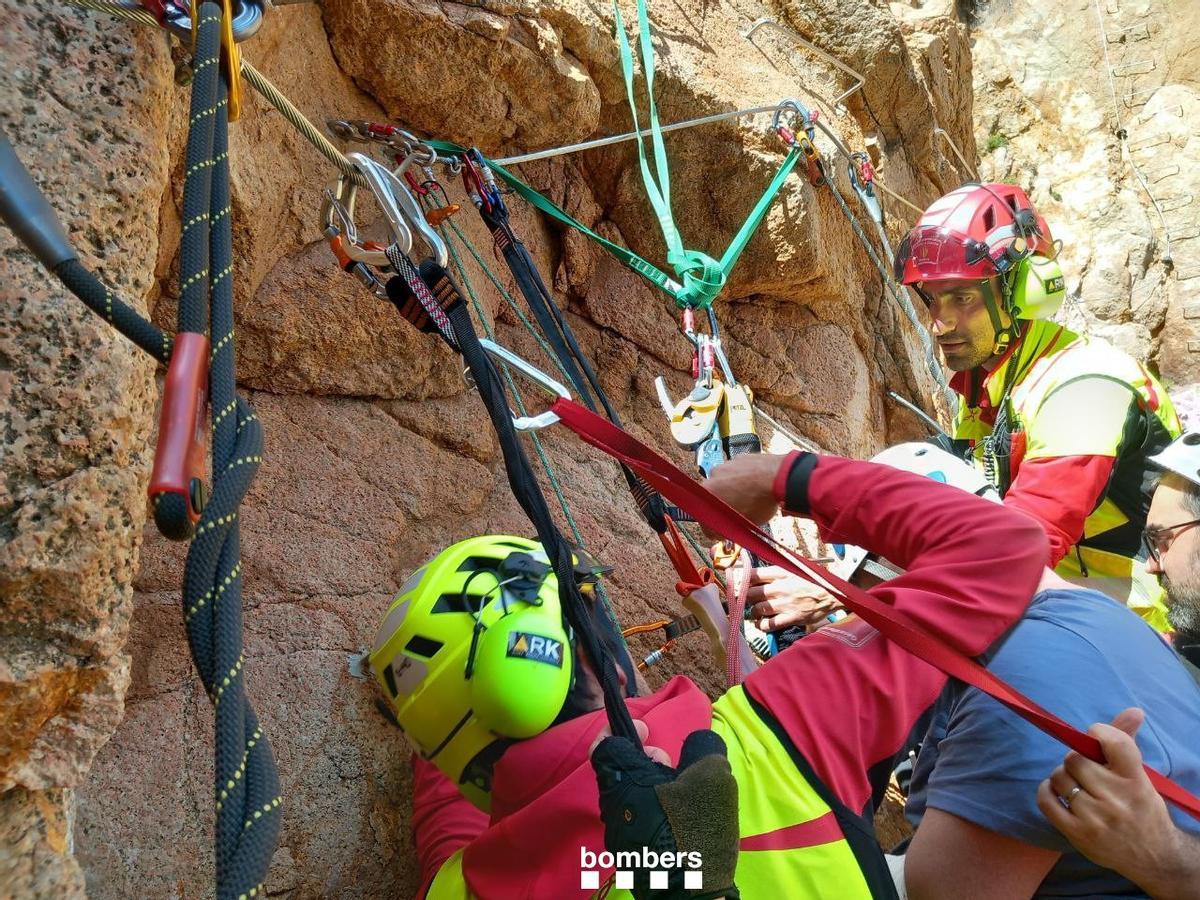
246, 785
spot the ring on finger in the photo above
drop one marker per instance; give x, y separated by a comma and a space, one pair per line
1066, 801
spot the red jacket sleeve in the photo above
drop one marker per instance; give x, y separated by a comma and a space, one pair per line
846, 696
1060, 492
444, 821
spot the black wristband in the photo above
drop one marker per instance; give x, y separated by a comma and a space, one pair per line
795, 491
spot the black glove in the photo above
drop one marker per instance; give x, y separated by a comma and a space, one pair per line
690, 810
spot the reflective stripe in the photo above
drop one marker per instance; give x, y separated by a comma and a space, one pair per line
792, 844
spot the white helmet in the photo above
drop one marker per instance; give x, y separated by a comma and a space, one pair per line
932, 462
1181, 456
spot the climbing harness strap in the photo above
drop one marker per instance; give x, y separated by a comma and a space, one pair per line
717, 516
408, 273
570, 357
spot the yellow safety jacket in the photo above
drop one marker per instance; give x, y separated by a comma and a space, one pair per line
1060, 395
798, 840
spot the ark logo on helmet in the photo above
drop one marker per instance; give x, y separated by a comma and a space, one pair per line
625, 863
523, 645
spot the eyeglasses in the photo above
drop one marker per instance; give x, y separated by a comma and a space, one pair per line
1159, 540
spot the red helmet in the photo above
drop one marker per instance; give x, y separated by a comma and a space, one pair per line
977, 231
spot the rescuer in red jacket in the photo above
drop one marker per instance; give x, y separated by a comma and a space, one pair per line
800, 760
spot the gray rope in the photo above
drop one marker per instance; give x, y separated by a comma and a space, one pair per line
900, 295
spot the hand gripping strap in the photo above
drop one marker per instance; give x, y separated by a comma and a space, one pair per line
717, 516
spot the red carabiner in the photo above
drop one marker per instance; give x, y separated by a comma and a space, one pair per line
416, 187
183, 433
473, 183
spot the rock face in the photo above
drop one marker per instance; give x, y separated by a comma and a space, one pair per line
1048, 116
76, 405
377, 455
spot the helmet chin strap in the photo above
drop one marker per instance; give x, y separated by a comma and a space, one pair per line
1003, 335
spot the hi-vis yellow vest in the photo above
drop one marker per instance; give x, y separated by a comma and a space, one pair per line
1109, 557
780, 804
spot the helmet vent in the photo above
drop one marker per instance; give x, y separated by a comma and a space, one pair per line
523, 546
989, 219
423, 646
475, 563
460, 603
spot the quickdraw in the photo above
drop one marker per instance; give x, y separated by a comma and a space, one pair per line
405, 287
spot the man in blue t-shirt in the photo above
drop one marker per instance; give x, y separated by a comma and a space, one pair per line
974, 789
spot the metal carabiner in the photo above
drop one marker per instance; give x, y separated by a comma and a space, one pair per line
347, 130
337, 215
385, 186
534, 374
177, 17
799, 111
412, 209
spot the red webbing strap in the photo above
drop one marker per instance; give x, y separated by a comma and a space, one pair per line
691, 578
717, 516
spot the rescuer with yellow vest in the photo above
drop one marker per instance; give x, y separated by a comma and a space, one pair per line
1062, 424
483, 676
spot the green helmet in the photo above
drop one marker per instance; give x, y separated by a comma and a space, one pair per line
474, 653
1038, 288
